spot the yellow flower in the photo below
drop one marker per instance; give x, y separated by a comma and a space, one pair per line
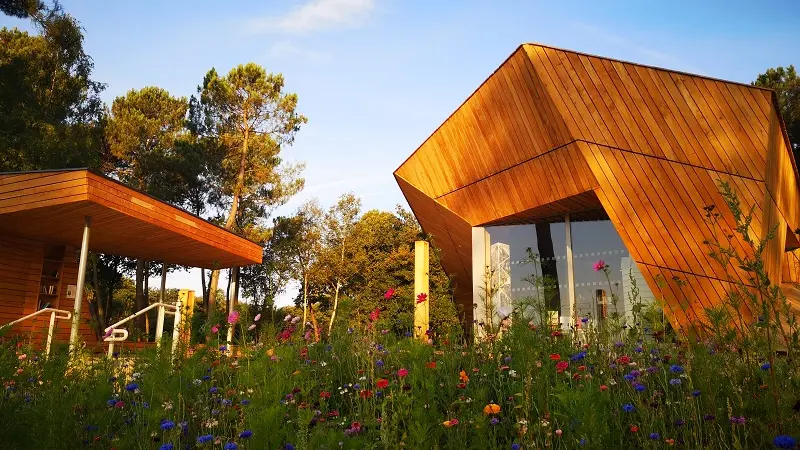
271, 352
447, 423
491, 408
297, 372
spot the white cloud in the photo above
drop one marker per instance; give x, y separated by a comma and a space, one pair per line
318, 15
282, 50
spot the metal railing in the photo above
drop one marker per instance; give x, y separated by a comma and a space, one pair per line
54, 314
114, 334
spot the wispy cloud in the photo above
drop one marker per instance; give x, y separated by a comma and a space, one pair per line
281, 50
656, 57
318, 15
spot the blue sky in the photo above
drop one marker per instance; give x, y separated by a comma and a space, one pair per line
376, 77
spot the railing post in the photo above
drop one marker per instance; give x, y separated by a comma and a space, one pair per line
159, 326
110, 349
50, 334
176, 329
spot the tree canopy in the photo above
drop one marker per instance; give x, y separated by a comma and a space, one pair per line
786, 84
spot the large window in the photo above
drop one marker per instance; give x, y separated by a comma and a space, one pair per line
529, 264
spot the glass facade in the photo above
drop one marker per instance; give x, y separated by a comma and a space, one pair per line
529, 265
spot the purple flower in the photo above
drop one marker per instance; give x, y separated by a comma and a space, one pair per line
675, 381
167, 424
766, 366
231, 446
213, 390
676, 368
515, 446
784, 441
233, 317
655, 436
628, 407
131, 387
206, 438
696, 393
245, 434
167, 446
494, 421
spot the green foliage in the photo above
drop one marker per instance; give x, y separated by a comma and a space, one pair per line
51, 115
786, 84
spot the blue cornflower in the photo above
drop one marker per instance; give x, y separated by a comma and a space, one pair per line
111, 402
356, 386
214, 412
507, 359
231, 446
328, 348
766, 366
676, 368
619, 344
784, 441
213, 390
696, 393
655, 436
515, 446
629, 377
206, 377
638, 349
167, 424
167, 446
407, 334
639, 387
130, 387
680, 422
494, 421
205, 439
288, 447
578, 356
245, 402
223, 348
379, 363
227, 402
628, 407
584, 319
675, 381
245, 434
92, 428
582, 441
145, 405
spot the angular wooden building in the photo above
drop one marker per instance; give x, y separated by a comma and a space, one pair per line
45, 217
583, 158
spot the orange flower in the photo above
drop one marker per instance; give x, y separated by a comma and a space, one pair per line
555, 357
491, 408
581, 368
463, 377
431, 365
450, 423
603, 388
634, 428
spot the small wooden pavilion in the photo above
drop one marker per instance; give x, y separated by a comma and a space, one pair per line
49, 220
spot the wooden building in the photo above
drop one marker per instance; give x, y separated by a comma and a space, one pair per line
42, 225
556, 141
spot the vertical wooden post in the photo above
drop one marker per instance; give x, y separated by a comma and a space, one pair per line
186, 299
76, 315
571, 318
421, 286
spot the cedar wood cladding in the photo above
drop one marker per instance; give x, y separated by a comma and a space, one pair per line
553, 131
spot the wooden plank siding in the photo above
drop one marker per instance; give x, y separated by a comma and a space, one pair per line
554, 132
41, 209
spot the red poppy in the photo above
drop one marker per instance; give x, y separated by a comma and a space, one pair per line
431, 365
561, 366
365, 393
634, 428
422, 297
624, 359
402, 372
333, 413
581, 368
603, 388
373, 316
462, 385
555, 357
324, 394
382, 383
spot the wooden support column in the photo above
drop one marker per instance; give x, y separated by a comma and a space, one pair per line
186, 299
76, 315
421, 286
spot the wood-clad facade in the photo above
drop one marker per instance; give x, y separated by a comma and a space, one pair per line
554, 132
41, 226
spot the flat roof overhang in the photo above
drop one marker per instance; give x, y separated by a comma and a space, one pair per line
50, 206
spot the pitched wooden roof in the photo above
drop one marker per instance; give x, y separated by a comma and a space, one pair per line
554, 131
50, 206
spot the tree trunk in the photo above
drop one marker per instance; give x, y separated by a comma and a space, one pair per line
212, 290
163, 296
305, 300
314, 324
147, 299
203, 287
335, 305
138, 303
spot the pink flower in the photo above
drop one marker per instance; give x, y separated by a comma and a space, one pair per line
257, 317
599, 265
233, 317
389, 294
23, 357
402, 372
252, 327
215, 329
373, 316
